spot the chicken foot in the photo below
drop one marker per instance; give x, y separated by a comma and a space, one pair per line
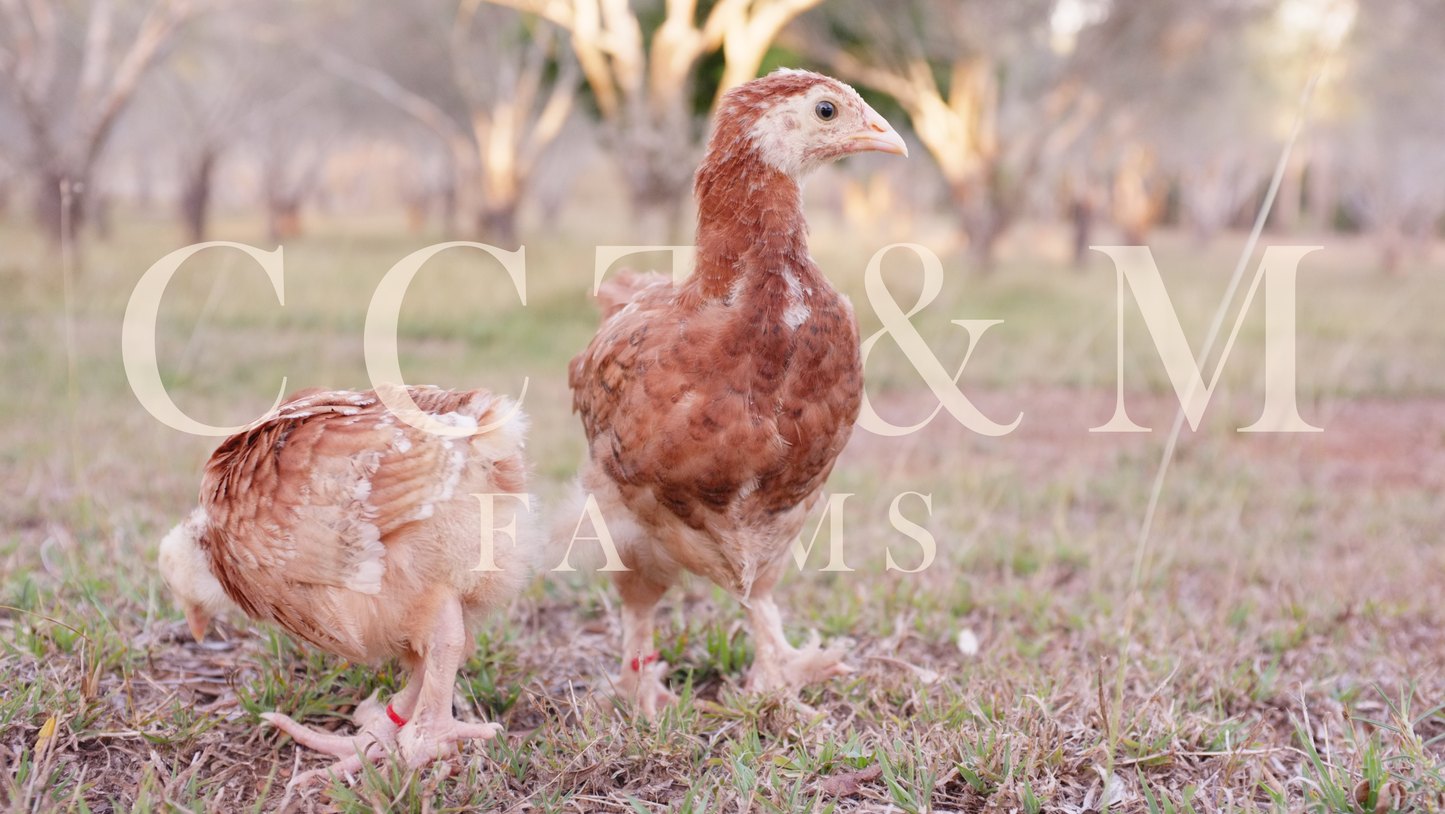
376, 735
778, 665
418, 720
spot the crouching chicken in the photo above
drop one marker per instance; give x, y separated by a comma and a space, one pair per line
714, 409
360, 534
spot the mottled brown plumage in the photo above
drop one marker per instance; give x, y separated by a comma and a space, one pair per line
714, 410
358, 533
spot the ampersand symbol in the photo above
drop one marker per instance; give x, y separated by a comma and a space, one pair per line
896, 325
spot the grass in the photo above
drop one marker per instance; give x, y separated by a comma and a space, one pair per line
1284, 653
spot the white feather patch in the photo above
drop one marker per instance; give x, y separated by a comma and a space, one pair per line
456, 463
775, 136
455, 419
366, 578
797, 311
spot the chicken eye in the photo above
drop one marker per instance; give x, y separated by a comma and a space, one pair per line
826, 111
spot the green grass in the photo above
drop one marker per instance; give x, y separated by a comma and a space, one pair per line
1284, 654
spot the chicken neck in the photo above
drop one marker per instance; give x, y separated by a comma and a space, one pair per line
752, 236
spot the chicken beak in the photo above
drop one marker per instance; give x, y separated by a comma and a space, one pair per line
198, 619
877, 134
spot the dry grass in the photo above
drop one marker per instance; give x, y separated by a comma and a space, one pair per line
1285, 646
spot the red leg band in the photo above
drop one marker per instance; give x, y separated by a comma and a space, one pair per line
396, 719
637, 664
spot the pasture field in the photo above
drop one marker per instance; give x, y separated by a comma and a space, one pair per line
1283, 651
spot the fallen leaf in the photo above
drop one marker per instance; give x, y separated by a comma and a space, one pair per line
1391, 797
46, 738
846, 783
1115, 793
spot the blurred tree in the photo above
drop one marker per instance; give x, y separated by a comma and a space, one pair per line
642, 79
293, 150
7, 181
207, 103
1135, 108
982, 88
1386, 139
1139, 193
497, 96
1214, 188
69, 97
1208, 94
1081, 192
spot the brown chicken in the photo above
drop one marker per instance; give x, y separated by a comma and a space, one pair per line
714, 410
358, 533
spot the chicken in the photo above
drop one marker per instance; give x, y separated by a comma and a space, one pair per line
714, 410
359, 533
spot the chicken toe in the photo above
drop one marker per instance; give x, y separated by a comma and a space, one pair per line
646, 685
374, 726
440, 740
778, 665
376, 736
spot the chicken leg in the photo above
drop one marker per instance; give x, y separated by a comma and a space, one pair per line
642, 672
432, 733
778, 665
427, 731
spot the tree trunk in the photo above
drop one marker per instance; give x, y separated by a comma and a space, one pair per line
1081, 214
497, 224
1285, 215
1390, 239
99, 215
1138, 201
982, 219
284, 191
418, 204
658, 155
144, 185
449, 211
985, 228
657, 212
196, 195
283, 217
1321, 193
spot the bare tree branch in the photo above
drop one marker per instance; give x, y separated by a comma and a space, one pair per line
747, 38
159, 24
97, 44
66, 140
382, 84
643, 90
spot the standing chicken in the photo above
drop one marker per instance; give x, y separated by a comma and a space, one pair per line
714, 410
358, 533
